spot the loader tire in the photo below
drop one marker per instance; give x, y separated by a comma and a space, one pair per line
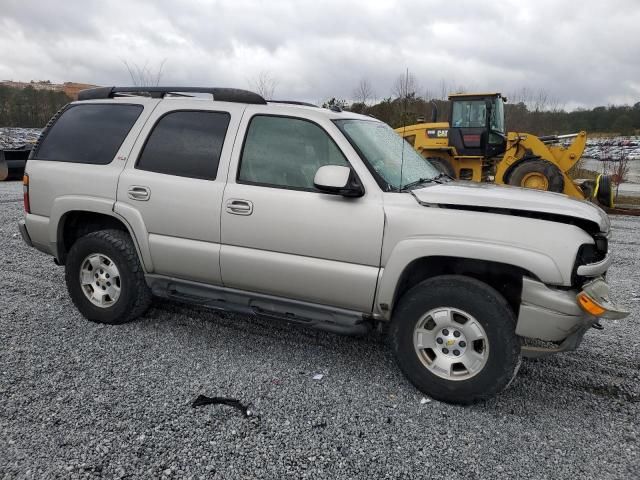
538, 174
442, 165
603, 191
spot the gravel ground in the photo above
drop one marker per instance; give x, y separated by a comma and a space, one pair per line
81, 400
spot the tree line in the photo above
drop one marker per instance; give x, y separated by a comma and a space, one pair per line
28, 107
526, 111
620, 120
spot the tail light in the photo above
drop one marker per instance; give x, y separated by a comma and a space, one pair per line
25, 191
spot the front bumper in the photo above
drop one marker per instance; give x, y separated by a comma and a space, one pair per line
25, 235
554, 315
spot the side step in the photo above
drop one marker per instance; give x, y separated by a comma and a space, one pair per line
322, 317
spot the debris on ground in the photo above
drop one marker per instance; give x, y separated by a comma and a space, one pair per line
318, 376
231, 402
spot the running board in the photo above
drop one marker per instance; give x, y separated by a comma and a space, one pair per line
331, 319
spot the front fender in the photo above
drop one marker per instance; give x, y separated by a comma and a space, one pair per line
406, 251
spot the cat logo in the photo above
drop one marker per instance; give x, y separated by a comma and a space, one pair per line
437, 133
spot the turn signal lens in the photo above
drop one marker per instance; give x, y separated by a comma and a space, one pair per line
588, 305
25, 193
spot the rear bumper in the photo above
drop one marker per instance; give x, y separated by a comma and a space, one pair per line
25, 234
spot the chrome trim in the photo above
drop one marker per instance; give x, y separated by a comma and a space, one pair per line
595, 269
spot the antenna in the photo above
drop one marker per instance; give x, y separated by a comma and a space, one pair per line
404, 123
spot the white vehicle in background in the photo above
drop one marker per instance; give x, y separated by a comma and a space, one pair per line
315, 216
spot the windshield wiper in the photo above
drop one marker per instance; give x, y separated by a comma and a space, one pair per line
437, 179
420, 181
443, 175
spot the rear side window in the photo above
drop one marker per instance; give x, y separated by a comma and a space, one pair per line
186, 144
88, 133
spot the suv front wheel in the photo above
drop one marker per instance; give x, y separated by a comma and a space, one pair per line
454, 339
105, 278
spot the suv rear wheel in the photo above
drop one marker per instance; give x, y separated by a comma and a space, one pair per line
454, 339
105, 278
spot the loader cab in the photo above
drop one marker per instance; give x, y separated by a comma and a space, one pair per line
477, 124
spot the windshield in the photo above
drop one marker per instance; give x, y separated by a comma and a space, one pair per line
469, 113
393, 159
473, 114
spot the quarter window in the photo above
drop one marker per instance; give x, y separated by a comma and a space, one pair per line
186, 144
88, 133
286, 152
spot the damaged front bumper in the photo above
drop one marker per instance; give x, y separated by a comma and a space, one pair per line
562, 316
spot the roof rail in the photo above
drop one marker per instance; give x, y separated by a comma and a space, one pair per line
294, 102
220, 94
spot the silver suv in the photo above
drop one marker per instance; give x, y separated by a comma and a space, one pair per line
314, 216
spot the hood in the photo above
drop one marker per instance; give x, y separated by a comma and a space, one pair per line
510, 200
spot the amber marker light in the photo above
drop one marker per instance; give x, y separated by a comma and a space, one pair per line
25, 192
588, 305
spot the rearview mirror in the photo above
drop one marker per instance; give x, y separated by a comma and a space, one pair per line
338, 180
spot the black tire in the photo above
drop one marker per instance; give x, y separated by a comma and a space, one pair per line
135, 296
552, 173
442, 165
488, 307
604, 191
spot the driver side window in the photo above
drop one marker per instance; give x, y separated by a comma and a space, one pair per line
286, 152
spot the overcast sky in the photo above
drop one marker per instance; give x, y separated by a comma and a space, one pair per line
584, 53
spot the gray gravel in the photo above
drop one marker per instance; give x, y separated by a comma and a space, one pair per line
80, 400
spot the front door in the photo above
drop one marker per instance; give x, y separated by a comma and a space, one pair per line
280, 235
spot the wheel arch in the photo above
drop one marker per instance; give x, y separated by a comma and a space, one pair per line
505, 278
408, 265
76, 223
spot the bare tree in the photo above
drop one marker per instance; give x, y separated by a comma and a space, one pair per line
264, 84
363, 92
143, 76
405, 86
621, 170
444, 89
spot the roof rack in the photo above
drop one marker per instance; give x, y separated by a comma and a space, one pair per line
220, 94
294, 102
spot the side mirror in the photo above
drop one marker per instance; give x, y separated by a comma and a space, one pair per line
338, 180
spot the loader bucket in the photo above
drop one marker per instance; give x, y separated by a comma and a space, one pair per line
12, 163
4, 170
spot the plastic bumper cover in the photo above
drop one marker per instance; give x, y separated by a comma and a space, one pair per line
25, 234
553, 315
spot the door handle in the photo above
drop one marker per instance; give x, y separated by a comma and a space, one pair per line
137, 192
239, 207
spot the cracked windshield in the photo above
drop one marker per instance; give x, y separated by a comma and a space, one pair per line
394, 160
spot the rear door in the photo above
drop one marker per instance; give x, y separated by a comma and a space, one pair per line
173, 186
280, 235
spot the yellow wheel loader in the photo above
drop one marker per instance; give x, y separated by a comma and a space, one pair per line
476, 146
